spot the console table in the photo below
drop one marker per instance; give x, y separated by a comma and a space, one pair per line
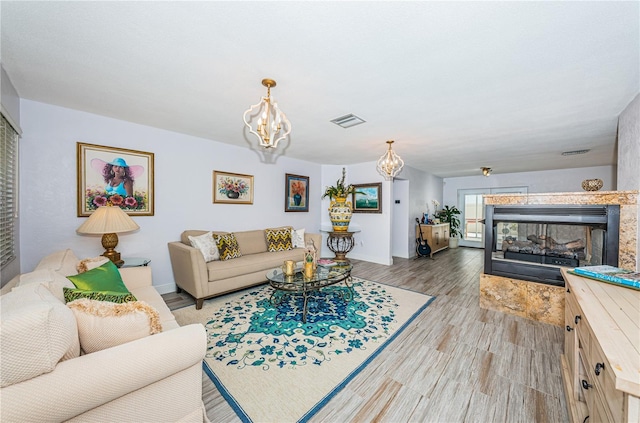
601, 360
437, 236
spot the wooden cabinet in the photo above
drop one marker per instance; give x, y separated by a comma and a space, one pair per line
437, 236
601, 360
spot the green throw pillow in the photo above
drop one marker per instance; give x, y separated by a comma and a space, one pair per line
104, 278
113, 297
227, 246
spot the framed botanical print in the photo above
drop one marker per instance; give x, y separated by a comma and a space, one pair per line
367, 198
232, 188
114, 176
296, 193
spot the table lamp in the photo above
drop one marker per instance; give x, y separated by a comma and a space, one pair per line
108, 221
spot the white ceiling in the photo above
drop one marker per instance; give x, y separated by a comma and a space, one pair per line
458, 85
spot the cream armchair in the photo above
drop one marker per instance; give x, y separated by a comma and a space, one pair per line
156, 378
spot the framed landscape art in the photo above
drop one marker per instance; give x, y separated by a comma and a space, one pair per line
296, 193
114, 176
367, 198
232, 188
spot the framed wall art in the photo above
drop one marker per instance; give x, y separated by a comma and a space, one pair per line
296, 193
232, 188
367, 198
114, 176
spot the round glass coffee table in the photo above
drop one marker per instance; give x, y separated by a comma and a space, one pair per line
284, 285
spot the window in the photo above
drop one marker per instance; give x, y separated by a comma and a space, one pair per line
8, 190
472, 208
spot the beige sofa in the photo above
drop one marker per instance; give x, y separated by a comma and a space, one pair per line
205, 280
155, 378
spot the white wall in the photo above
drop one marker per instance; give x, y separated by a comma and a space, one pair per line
423, 189
400, 231
183, 187
373, 241
561, 180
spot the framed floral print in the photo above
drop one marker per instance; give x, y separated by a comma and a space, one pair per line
232, 188
367, 198
296, 193
114, 176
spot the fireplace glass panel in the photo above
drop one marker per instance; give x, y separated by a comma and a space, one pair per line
549, 244
532, 242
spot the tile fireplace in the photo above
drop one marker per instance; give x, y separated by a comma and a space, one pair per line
530, 237
532, 242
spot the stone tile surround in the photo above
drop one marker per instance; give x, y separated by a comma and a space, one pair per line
542, 302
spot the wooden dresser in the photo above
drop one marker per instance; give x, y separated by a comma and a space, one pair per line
437, 236
601, 360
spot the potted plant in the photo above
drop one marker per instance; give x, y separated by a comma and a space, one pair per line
340, 210
450, 215
339, 190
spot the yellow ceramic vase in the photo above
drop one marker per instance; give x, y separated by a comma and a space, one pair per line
340, 212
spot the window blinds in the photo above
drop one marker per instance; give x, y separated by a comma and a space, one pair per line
8, 190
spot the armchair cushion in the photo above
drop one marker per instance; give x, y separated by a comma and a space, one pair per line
63, 262
50, 278
37, 331
103, 325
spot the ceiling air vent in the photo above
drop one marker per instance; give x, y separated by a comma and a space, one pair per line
347, 121
574, 152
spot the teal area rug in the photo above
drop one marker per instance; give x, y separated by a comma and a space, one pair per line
272, 367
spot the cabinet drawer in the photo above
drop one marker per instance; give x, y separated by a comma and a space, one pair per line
599, 370
576, 318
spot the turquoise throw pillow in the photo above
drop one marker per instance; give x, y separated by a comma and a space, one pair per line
104, 278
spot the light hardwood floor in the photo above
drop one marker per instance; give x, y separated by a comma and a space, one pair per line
456, 362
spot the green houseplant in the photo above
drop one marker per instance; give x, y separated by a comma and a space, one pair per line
450, 215
339, 190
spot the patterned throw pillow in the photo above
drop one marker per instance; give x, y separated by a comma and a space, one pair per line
297, 238
278, 239
227, 246
113, 297
206, 245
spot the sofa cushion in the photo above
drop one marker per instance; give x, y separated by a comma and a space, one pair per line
63, 262
36, 332
104, 325
278, 239
113, 297
261, 262
90, 263
251, 242
103, 278
297, 238
227, 246
207, 246
51, 279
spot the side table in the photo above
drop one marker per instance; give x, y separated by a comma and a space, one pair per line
340, 243
135, 261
